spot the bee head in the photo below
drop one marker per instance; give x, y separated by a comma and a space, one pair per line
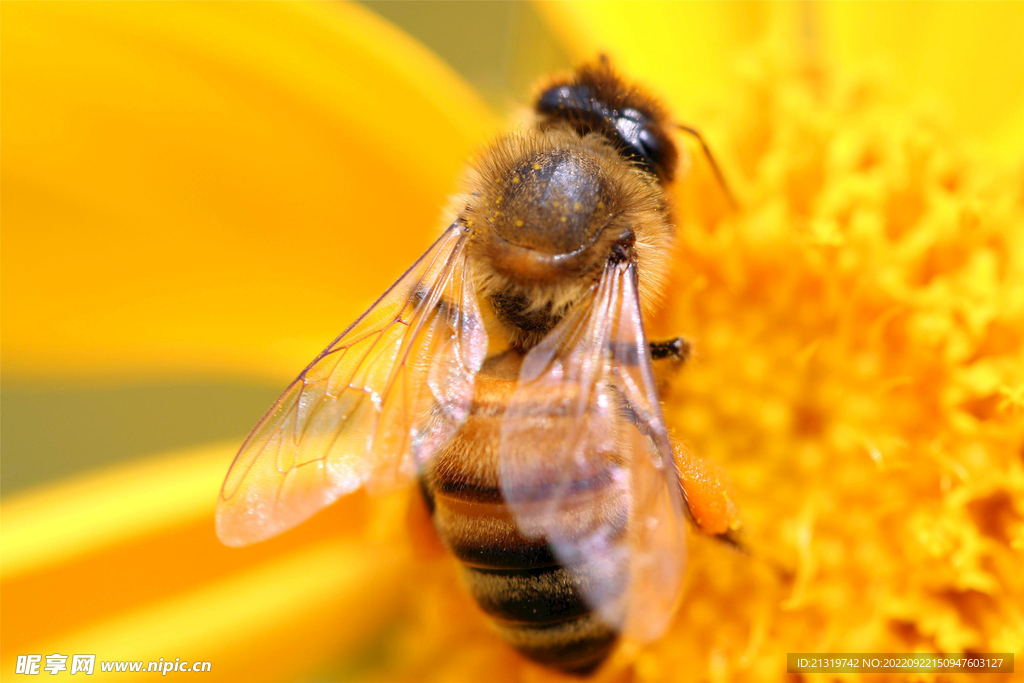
596, 99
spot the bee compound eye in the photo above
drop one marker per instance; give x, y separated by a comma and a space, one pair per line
568, 100
553, 99
634, 132
653, 150
642, 144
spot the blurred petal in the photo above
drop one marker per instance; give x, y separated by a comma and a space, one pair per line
966, 54
59, 523
969, 54
215, 187
278, 621
128, 559
683, 49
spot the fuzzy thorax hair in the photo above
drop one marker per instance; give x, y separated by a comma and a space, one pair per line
545, 209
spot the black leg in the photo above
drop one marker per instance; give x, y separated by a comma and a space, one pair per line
677, 349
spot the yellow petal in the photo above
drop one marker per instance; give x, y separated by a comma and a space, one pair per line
215, 187
685, 50
285, 619
128, 558
62, 522
969, 56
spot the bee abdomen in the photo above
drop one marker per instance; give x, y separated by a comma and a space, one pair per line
539, 604
544, 613
577, 646
541, 595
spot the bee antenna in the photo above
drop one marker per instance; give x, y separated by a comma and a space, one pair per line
714, 164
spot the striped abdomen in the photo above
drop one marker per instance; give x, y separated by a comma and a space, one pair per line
535, 603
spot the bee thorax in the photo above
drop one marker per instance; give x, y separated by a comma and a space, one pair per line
554, 202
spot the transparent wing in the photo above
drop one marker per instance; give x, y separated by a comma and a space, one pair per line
586, 462
371, 408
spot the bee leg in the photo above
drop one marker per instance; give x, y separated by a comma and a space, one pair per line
734, 539
677, 349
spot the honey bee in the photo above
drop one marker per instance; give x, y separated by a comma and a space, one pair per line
507, 372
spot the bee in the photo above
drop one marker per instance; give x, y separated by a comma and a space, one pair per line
508, 373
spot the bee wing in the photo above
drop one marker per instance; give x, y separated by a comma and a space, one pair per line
371, 408
586, 461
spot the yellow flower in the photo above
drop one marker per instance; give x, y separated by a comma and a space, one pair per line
215, 189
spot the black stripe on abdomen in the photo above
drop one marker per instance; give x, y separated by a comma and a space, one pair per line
543, 613
536, 604
576, 646
544, 595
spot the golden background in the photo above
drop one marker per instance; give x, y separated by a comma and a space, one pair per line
196, 197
